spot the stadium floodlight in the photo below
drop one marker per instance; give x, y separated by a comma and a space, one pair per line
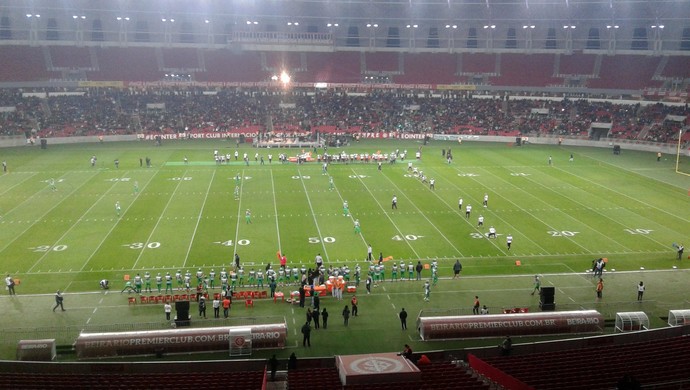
33, 16
284, 77
207, 21
532, 26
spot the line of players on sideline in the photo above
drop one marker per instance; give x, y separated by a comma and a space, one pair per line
284, 276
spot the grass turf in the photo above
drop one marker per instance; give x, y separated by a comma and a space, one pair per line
628, 208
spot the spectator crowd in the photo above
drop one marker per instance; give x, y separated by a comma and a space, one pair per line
164, 111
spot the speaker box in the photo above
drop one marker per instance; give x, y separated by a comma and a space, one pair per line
546, 295
182, 317
546, 298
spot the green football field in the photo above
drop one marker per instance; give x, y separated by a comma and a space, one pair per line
176, 216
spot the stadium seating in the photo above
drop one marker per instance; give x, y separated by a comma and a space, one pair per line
677, 68
382, 61
626, 72
24, 63
70, 57
244, 380
437, 68
519, 69
649, 362
309, 378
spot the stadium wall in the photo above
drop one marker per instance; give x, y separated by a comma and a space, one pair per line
644, 146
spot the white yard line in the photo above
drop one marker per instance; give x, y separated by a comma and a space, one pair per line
100, 244
275, 209
239, 218
665, 211
342, 200
20, 183
399, 191
198, 220
306, 193
41, 217
499, 218
73, 225
534, 216
647, 236
160, 218
386, 214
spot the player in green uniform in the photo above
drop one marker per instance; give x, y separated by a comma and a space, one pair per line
147, 281
260, 279
159, 282
212, 278
168, 283
358, 229
178, 277
137, 284
248, 216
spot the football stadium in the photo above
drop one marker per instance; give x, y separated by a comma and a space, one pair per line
345, 194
